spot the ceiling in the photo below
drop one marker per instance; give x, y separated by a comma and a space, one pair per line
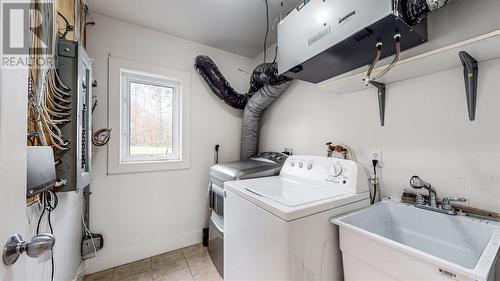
236, 26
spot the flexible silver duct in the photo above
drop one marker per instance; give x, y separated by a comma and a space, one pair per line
265, 87
251, 116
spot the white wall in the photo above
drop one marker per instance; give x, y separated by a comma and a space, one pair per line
143, 214
427, 132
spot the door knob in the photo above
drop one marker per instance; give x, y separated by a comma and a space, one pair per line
37, 246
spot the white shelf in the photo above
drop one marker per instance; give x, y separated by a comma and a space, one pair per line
482, 48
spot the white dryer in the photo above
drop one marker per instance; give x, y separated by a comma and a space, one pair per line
278, 228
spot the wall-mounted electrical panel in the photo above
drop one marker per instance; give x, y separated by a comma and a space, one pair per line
75, 70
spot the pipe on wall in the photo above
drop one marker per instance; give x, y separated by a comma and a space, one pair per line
251, 116
218, 83
265, 87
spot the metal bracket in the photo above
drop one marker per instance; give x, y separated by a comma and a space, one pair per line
470, 75
381, 100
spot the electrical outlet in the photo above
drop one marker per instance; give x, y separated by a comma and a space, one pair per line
375, 154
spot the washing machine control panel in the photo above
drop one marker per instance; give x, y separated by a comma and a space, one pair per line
332, 172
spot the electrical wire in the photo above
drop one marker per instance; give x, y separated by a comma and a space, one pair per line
94, 103
275, 53
49, 99
50, 202
87, 231
278, 19
77, 24
374, 163
101, 137
68, 26
267, 30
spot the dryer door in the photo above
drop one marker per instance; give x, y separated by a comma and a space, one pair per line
217, 198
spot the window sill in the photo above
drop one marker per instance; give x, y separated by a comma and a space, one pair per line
153, 166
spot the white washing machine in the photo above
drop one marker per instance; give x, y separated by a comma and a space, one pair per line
278, 228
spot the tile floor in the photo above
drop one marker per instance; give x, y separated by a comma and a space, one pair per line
187, 264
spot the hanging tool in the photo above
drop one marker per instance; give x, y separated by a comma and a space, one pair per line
470, 75
381, 100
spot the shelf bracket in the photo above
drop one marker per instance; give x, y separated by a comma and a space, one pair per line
470, 75
381, 100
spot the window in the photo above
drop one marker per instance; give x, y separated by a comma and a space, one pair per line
150, 119
149, 105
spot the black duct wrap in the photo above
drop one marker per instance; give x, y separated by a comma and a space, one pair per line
218, 83
266, 74
263, 74
265, 87
418, 10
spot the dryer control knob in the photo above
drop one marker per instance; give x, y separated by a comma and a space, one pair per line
301, 164
309, 166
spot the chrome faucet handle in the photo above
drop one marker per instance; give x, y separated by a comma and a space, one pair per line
418, 183
446, 202
420, 200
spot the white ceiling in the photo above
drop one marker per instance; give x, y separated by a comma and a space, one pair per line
237, 26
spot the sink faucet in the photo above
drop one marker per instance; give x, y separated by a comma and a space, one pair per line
446, 207
418, 183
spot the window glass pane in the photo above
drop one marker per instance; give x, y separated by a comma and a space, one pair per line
150, 120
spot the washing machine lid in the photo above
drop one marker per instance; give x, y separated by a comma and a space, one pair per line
290, 199
290, 193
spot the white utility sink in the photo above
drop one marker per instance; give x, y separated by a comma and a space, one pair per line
395, 241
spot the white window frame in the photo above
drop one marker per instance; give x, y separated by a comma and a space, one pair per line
121, 73
133, 77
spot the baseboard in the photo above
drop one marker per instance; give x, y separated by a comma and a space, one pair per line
110, 258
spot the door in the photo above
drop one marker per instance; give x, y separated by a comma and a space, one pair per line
13, 102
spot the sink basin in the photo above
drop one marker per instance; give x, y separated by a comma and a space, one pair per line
395, 241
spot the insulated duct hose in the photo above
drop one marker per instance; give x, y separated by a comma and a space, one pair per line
418, 10
218, 83
265, 87
251, 116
